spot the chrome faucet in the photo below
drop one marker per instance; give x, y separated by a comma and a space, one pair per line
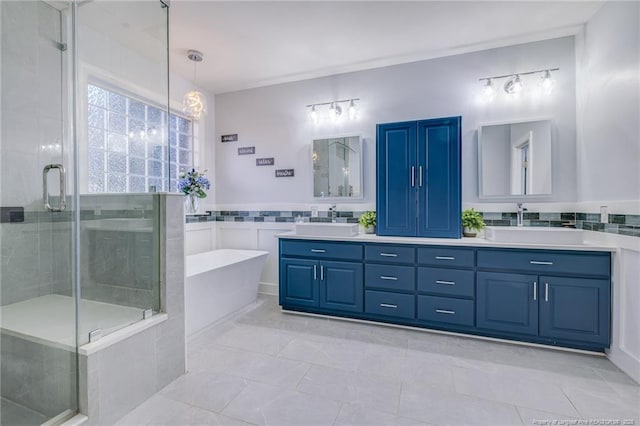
334, 213
520, 217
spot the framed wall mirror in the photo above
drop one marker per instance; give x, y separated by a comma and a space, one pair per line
337, 167
514, 160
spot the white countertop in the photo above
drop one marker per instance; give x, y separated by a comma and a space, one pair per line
462, 242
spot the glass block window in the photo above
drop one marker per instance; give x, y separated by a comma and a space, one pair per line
127, 143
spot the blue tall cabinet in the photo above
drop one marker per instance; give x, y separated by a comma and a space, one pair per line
418, 178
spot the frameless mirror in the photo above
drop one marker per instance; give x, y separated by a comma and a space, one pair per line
337, 167
514, 159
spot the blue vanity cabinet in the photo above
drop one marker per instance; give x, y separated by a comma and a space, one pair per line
315, 275
299, 282
575, 309
390, 282
446, 286
418, 178
341, 286
560, 297
507, 302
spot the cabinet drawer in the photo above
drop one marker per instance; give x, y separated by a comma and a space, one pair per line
446, 256
446, 310
447, 282
389, 304
389, 253
540, 261
390, 277
321, 249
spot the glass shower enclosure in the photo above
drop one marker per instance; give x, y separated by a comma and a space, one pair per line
75, 264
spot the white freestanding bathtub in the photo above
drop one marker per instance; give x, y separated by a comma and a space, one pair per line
218, 283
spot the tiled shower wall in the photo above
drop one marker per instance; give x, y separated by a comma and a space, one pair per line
617, 224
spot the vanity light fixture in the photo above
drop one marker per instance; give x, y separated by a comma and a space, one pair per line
194, 103
334, 112
515, 83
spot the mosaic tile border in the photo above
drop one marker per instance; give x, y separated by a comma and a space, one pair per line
618, 223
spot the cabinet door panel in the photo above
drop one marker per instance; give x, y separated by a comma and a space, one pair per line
575, 309
341, 286
298, 282
396, 196
438, 179
507, 302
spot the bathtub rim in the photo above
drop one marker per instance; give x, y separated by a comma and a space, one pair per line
253, 254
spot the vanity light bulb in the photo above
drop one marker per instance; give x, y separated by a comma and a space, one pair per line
547, 82
314, 115
488, 91
353, 111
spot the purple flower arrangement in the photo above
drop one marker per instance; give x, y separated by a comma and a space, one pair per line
193, 182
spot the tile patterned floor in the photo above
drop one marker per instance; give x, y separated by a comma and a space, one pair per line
264, 367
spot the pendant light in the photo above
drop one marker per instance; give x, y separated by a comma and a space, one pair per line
194, 103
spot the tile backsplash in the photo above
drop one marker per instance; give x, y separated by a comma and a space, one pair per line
618, 223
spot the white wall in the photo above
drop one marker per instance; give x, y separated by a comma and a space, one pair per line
274, 119
608, 153
608, 104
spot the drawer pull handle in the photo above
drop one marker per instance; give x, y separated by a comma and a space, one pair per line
445, 282
388, 305
384, 277
318, 251
445, 258
540, 262
388, 254
445, 311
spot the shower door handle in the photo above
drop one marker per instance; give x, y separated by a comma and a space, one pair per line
45, 189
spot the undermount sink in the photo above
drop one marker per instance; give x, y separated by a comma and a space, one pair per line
533, 235
323, 229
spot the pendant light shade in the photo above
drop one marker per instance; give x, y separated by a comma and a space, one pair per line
194, 103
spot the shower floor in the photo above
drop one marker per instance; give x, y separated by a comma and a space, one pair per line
51, 319
14, 414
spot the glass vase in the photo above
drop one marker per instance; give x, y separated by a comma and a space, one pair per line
191, 204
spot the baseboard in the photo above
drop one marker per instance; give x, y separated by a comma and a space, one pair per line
270, 289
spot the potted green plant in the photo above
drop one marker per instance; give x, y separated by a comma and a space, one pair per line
471, 222
368, 222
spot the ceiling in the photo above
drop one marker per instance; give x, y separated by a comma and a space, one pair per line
258, 43
249, 44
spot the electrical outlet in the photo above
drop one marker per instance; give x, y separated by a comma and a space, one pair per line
314, 211
97, 211
604, 214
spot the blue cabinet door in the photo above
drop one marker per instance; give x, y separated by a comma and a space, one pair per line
341, 286
438, 178
299, 282
575, 309
395, 174
507, 302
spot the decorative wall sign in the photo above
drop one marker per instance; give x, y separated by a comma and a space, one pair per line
229, 138
265, 161
284, 173
247, 150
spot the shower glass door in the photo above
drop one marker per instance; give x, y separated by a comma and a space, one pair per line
37, 298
